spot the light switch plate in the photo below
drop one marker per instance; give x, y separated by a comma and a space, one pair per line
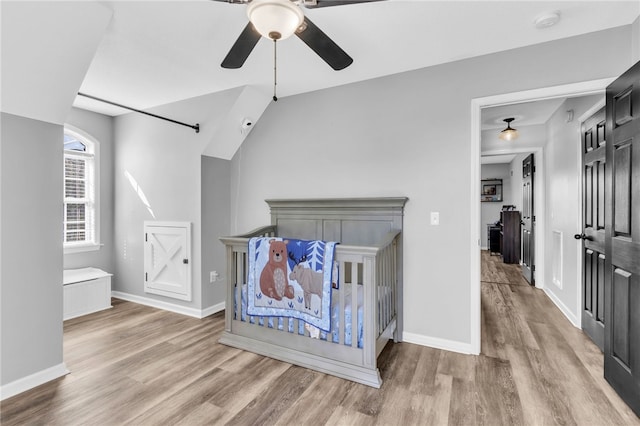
435, 218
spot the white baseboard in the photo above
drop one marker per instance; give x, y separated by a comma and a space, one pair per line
213, 309
184, 310
33, 380
563, 308
435, 342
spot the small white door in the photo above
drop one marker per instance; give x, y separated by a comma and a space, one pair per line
167, 259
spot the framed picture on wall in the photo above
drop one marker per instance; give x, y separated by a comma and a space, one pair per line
491, 190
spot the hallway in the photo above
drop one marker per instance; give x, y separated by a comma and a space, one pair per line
556, 370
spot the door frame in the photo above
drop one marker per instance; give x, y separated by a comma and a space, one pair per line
574, 89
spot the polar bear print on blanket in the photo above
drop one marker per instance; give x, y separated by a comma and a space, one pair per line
310, 281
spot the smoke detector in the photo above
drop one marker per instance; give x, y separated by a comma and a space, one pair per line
546, 20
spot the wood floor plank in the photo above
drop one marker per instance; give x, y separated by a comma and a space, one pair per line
544, 401
497, 398
462, 410
275, 400
137, 365
309, 409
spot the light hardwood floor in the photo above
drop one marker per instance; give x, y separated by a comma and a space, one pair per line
141, 366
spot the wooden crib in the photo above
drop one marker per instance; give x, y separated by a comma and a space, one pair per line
369, 256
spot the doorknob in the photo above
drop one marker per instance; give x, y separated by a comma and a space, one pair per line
581, 237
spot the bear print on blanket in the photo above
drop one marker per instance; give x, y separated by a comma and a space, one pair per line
310, 281
273, 279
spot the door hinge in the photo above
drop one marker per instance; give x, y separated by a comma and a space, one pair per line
146, 277
145, 237
533, 268
185, 261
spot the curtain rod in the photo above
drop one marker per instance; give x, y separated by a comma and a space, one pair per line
195, 127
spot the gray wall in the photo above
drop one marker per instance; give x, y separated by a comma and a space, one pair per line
100, 127
490, 211
216, 219
31, 246
158, 176
407, 134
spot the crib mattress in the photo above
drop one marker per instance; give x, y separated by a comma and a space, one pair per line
278, 322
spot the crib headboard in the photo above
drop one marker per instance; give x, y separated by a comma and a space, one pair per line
352, 221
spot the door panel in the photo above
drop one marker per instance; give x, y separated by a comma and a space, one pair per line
592, 236
167, 269
622, 238
528, 220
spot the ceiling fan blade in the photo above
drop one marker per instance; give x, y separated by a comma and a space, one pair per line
314, 4
320, 43
241, 48
234, 1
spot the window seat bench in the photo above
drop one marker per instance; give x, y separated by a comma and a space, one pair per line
85, 290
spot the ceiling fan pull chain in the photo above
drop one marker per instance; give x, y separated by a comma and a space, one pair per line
275, 71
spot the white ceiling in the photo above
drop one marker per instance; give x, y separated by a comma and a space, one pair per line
524, 114
158, 52
497, 159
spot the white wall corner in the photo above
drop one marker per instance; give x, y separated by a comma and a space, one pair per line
438, 343
233, 129
24, 384
218, 307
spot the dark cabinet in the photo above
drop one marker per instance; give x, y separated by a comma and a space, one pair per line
510, 249
493, 236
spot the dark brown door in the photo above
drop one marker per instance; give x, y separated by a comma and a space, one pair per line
622, 238
528, 219
593, 225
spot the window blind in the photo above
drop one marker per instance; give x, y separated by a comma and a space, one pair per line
79, 214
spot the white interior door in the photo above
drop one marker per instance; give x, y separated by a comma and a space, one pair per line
167, 259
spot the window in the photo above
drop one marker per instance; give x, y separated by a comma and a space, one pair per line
81, 195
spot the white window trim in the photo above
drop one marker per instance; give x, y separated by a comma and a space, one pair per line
81, 247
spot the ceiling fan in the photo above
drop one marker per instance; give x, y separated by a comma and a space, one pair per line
279, 19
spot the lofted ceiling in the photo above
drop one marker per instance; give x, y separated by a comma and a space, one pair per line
158, 52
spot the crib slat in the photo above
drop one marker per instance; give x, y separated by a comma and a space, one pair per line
381, 294
342, 290
354, 306
387, 290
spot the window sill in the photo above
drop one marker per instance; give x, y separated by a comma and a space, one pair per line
81, 248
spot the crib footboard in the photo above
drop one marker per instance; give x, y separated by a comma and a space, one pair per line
364, 316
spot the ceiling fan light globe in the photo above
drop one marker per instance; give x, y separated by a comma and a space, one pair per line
275, 19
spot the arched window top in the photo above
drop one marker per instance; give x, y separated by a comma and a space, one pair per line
71, 143
75, 140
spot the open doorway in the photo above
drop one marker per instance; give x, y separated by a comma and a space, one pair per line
549, 138
518, 162
543, 250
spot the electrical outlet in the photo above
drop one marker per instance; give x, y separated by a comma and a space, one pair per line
213, 276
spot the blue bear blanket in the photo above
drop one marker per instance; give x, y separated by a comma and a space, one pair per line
291, 278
